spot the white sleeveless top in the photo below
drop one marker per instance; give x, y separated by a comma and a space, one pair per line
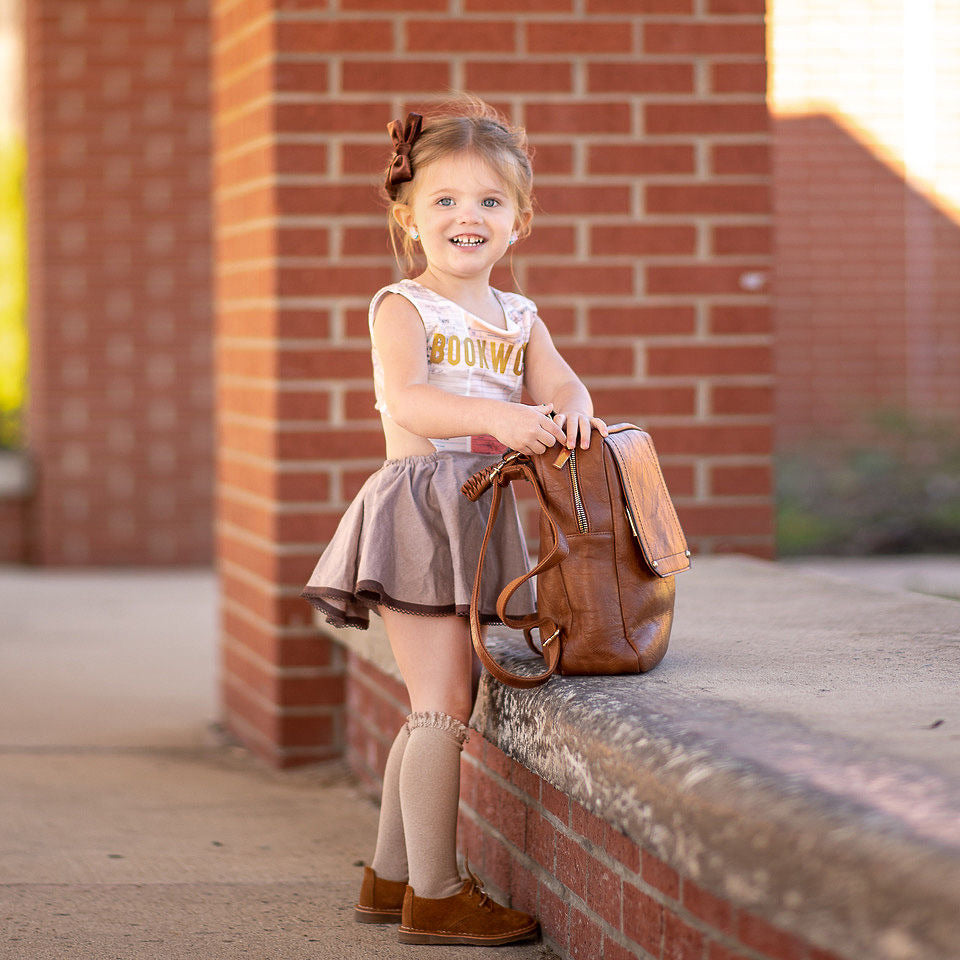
465, 355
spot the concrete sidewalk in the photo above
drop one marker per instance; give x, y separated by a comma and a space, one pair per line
128, 827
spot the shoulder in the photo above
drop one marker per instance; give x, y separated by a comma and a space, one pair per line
523, 308
394, 302
391, 292
517, 300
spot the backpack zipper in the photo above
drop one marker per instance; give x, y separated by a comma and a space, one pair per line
577, 502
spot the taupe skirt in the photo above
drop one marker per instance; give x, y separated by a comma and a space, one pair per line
410, 541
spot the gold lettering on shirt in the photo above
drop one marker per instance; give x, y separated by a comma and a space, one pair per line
500, 359
472, 351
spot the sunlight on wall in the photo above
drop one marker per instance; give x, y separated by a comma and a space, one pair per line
865, 100
886, 70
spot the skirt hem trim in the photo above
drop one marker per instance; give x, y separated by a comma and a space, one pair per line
372, 594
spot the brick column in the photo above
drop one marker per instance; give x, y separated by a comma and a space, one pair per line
648, 261
286, 339
119, 411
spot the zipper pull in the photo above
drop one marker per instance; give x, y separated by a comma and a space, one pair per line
562, 457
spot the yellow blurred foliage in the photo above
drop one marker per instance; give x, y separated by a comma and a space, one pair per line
13, 292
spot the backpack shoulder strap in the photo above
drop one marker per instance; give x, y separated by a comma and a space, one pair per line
511, 468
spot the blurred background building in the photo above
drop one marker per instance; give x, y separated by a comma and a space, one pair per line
746, 242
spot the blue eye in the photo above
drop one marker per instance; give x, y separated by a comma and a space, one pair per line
492, 200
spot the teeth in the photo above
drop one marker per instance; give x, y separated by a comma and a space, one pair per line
463, 241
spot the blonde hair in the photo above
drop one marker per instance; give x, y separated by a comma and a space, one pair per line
463, 124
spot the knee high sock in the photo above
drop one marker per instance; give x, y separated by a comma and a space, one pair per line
429, 798
390, 856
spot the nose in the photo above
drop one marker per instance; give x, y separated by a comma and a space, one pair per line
469, 215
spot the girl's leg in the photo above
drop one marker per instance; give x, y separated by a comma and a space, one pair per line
390, 857
436, 659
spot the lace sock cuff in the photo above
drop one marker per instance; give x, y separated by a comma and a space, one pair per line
440, 720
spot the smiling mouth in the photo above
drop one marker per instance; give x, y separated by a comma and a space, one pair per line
468, 241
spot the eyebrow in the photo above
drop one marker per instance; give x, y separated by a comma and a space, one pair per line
496, 190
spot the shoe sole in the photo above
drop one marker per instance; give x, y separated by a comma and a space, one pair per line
366, 915
408, 935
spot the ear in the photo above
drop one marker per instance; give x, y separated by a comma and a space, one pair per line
522, 222
404, 216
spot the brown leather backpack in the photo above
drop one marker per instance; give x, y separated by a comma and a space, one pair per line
610, 544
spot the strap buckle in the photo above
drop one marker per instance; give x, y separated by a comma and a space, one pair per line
507, 458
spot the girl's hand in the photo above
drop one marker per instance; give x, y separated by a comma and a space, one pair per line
577, 421
527, 428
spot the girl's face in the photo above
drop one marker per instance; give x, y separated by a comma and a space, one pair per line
464, 214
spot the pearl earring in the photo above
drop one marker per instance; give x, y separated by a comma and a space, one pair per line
414, 235
513, 239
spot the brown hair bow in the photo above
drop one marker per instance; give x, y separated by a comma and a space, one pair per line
404, 137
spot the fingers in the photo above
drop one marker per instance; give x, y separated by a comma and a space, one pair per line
535, 448
570, 437
548, 437
574, 425
550, 424
583, 422
553, 428
586, 424
565, 428
551, 432
580, 424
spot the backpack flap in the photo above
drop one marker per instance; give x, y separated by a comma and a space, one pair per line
646, 501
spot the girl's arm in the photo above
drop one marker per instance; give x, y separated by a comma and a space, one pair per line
429, 411
550, 379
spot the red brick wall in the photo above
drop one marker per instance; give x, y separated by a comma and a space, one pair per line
598, 894
119, 417
13, 529
866, 194
650, 131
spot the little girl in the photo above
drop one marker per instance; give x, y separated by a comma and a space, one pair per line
451, 355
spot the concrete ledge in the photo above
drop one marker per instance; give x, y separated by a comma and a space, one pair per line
797, 752
937, 574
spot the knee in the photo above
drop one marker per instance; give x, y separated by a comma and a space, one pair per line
460, 710
455, 701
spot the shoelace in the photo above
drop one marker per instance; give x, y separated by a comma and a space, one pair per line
477, 887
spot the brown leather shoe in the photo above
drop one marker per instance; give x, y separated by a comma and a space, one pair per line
380, 900
469, 916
